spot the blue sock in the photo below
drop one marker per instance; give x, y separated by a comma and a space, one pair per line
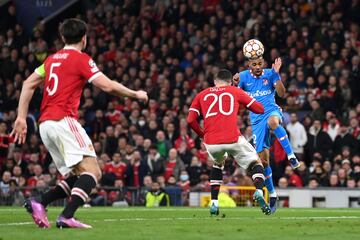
269, 181
283, 138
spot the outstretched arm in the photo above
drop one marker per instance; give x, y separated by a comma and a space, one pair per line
280, 89
27, 91
117, 89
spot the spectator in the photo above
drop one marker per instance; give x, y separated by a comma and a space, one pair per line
136, 171
184, 137
162, 144
342, 177
115, 167
293, 179
5, 183
38, 175
332, 125
334, 181
313, 183
298, 137
194, 171
157, 197
303, 173
318, 141
155, 162
345, 139
283, 182
5, 142
174, 165
18, 158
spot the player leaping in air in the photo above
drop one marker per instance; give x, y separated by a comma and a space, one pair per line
64, 75
262, 83
219, 107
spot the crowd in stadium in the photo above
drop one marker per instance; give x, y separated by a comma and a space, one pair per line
172, 49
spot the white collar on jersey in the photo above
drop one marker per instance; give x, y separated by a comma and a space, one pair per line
70, 47
263, 72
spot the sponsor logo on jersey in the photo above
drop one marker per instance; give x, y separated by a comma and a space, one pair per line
259, 93
93, 66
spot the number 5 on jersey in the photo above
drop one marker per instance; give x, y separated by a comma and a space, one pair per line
54, 77
219, 99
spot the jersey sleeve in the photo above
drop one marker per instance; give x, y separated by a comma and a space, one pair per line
40, 70
195, 105
88, 69
274, 77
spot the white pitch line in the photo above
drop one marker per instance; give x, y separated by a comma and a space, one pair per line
199, 219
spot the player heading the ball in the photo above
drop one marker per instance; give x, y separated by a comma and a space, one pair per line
262, 84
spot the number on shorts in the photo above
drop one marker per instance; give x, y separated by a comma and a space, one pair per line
254, 139
55, 78
220, 99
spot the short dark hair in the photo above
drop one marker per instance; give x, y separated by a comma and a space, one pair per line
224, 75
72, 30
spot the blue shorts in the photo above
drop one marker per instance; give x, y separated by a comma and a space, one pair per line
261, 131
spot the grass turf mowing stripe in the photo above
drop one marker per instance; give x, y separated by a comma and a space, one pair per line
196, 219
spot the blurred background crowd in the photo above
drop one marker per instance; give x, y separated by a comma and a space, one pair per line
172, 49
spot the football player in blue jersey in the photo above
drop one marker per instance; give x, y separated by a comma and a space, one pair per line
262, 83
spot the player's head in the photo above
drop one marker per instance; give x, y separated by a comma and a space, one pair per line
73, 31
223, 77
256, 66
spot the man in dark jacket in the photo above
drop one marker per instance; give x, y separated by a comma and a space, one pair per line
136, 171
345, 139
318, 141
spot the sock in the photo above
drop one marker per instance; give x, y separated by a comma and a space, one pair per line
269, 182
215, 183
283, 138
62, 190
258, 177
79, 193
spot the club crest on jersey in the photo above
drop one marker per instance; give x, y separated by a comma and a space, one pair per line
265, 82
93, 66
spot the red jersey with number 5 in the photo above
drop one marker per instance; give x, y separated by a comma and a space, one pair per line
66, 72
219, 107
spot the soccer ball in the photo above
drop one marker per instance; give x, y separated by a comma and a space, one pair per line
253, 49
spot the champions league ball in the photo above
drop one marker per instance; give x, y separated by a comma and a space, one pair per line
253, 49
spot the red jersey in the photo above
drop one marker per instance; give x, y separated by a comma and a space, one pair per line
66, 72
219, 107
170, 165
118, 169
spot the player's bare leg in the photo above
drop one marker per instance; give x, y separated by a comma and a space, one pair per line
281, 135
89, 173
216, 177
265, 159
36, 206
256, 170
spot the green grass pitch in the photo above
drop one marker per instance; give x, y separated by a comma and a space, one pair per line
188, 224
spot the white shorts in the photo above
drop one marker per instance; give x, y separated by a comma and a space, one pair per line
67, 143
242, 151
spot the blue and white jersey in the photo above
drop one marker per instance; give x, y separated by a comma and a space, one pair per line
261, 88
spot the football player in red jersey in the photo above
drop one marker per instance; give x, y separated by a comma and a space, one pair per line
219, 107
64, 75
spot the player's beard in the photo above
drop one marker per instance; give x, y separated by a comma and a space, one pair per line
257, 72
